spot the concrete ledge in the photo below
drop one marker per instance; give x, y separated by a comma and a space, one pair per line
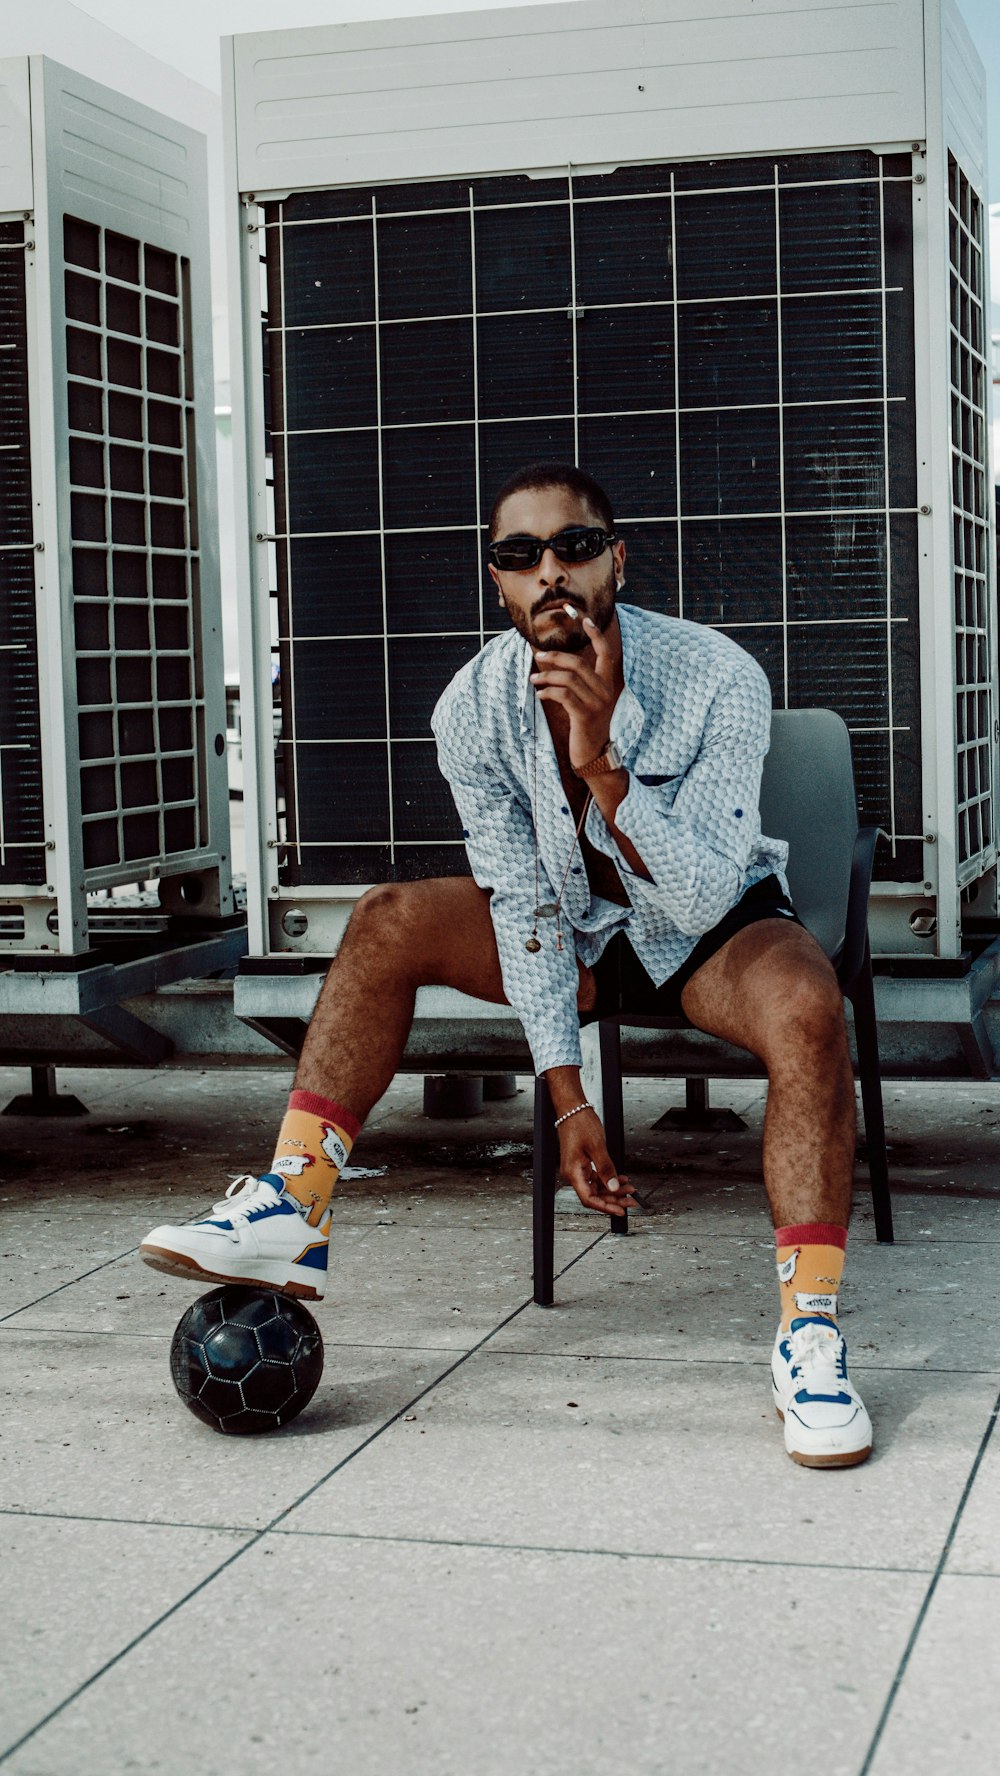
947, 1028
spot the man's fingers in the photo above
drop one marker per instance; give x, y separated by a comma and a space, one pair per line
595, 1193
600, 644
584, 684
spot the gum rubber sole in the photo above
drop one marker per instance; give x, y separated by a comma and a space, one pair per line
178, 1264
851, 1458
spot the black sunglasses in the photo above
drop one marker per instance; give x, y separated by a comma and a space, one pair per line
581, 542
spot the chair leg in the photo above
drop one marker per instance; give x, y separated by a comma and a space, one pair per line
546, 1159
614, 1112
866, 1038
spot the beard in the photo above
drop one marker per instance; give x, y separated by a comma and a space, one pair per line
573, 639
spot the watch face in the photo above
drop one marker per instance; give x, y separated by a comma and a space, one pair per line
613, 756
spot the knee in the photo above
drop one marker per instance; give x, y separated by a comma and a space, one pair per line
384, 914
810, 1018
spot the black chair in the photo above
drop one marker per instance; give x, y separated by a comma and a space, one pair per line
807, 797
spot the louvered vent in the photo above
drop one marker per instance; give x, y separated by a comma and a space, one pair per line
135, 547
727, 346
970, 526
22, 828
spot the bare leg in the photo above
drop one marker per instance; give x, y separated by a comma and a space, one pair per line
770, 989
401, 936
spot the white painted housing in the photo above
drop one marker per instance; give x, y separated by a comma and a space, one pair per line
70, 147
593, 86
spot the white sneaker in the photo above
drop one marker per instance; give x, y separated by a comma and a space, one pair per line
258, 1234
826, 1425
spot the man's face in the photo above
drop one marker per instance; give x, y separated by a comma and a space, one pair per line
534, 599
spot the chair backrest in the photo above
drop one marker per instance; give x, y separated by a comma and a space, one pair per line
807, 796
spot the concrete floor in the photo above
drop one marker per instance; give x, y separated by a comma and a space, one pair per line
500, 1540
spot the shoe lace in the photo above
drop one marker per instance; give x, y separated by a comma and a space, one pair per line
819, 1358
245, 1197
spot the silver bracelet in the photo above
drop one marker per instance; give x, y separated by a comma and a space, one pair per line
574, 1112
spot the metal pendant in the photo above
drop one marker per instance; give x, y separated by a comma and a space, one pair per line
533, 945
548, 911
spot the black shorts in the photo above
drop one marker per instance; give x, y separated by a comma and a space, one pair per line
624, 985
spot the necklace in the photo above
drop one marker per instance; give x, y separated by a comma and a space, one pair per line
551, 909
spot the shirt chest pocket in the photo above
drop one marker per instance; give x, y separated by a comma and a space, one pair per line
665, 783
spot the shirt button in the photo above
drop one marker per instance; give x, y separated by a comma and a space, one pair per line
565, 810
576, 869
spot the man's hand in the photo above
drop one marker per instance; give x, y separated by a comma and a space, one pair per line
584, 684
584, 1162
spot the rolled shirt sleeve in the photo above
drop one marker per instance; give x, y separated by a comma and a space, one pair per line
499, 838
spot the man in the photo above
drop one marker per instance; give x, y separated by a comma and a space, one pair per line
606, 765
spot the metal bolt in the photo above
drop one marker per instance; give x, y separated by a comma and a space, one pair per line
50, 844
26, 214
29, 246
929, 839
918, 179
916, 147
925, 510
39, 548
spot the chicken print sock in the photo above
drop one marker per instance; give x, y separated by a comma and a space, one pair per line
810, 1266
313, 1144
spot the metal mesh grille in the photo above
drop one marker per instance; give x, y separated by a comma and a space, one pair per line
970, 523
728, 346
135, 547
22, 853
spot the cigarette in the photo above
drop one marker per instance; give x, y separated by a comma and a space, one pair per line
571, 611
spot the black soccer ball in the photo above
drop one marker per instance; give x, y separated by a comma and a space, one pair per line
246, 1360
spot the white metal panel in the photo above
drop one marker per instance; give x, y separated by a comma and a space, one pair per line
109, 161
15, 136
963, 80
120, 165
588, 84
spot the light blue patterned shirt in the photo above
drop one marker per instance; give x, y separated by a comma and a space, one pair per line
693, 726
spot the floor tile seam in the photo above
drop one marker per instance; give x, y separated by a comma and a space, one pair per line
928, 1597
81, 1331
257, 1536
463, 1358
240, 1529
962, 1572
107, 1262
248, 1531
504, 1351
598, 1553
162, 1337
740, 1362
88, 1683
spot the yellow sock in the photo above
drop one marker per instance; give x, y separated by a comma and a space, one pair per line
313, 1144
810, 1266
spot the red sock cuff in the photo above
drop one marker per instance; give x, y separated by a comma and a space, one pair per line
327, 1109
812, 1233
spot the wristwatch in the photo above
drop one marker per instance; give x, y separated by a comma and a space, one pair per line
608, 759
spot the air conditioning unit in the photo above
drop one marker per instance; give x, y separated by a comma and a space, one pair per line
734, 263
112, 704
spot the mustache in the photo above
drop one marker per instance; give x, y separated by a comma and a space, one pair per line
555, 605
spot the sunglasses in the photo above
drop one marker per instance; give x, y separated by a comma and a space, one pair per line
581, 542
